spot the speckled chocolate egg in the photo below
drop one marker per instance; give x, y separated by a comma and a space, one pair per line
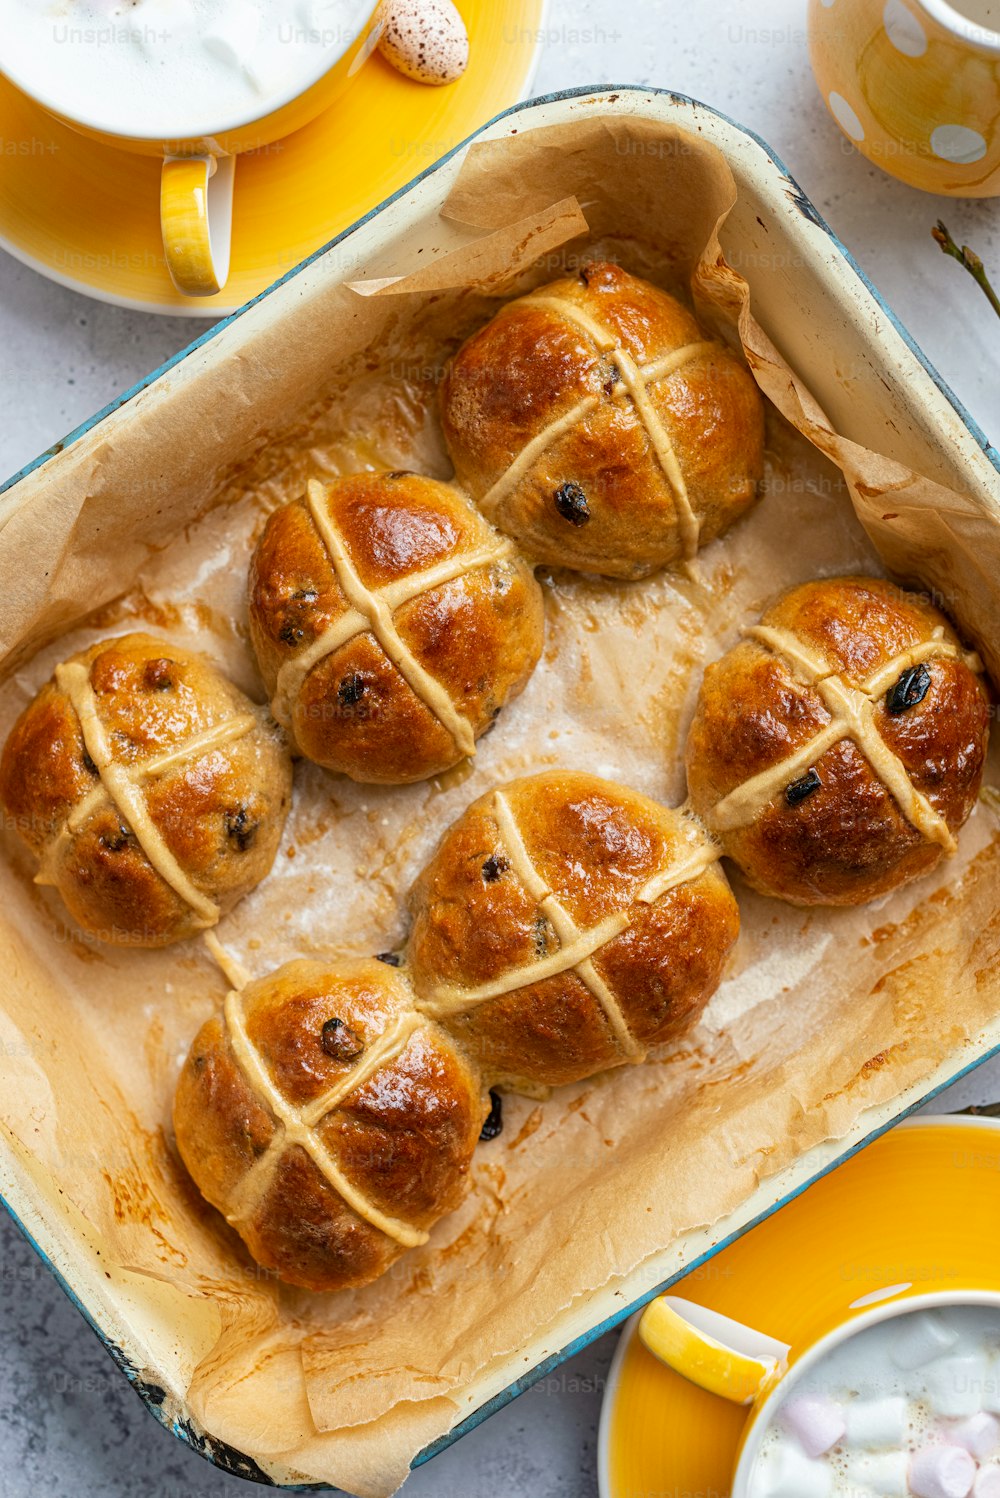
425, 40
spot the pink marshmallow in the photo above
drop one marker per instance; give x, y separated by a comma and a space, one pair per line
942, 1472
987, 1483
816, 1422
980, 1434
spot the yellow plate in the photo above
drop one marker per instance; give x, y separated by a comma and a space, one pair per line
87, 215
921, 1205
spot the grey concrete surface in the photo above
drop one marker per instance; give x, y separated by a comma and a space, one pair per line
69, 1425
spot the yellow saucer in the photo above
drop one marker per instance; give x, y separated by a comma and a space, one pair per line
921, 1205
87, 214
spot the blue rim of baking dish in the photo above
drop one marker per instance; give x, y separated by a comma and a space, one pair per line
220, 1454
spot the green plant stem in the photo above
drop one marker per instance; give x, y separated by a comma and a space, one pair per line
970, 260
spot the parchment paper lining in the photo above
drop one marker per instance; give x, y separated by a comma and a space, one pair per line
587, 1185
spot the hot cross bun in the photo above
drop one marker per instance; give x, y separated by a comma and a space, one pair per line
565, 924
151, 789
391, 624
328, 1120
599, 426
838, 749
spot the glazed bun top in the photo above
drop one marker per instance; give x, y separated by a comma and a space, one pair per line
329, 1121
391, 624
838, 749
331, 1111
565, 924
152, 790
599, 426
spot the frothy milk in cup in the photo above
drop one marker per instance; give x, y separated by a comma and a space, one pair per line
908, 1406
172, 68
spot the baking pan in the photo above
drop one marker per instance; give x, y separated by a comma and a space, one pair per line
877, 389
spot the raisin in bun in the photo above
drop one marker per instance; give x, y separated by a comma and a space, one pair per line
565, 924
599, 426
153, 792
391, 624
838, 749
328, 1121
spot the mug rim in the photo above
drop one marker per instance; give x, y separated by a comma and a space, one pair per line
327, 59
983, 38
886, 1310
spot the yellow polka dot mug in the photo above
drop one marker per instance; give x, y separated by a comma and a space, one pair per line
915, 84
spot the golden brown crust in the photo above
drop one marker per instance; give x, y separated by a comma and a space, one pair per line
858, 623
355, 715
222, 1127
400, 1133
45, 769
543, 1034
307, 1235
357, 708
408, 1134
532, 367
850, 839
669, 961
294, 596
599, 849
218, 814
333, 1114
564, 924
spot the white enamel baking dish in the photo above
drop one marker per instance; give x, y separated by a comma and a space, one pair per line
826, 319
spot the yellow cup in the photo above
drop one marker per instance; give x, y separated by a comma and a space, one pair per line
196, 184
915, 84
751, 1369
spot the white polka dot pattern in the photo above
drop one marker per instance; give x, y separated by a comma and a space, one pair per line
846, 117
904, 30
958, 143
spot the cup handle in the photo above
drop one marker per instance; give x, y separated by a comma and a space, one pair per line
196, 219
709, 1349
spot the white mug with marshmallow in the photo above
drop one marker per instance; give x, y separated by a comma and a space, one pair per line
900, 1396
195, 82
